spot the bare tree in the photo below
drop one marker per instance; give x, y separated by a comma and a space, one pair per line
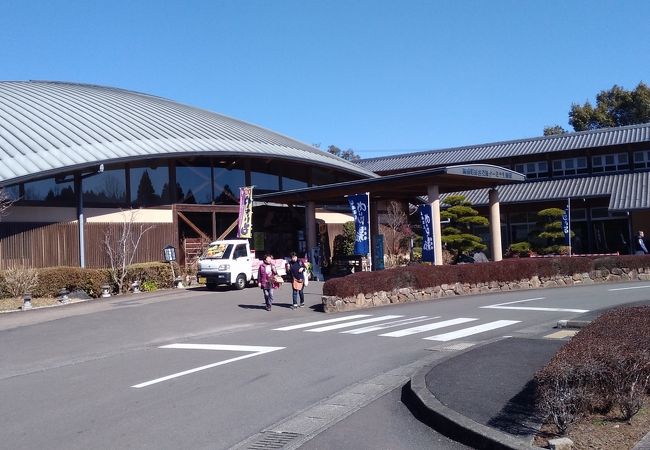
5, 202
121, 244
395, 230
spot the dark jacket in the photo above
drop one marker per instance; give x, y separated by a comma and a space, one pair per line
293, 270
640, 246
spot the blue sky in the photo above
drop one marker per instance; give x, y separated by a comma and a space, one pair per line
380, 77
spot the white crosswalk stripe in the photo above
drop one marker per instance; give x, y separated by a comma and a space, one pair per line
351, 324
393, 324
366, 323
321, 322
428, 327
472, 330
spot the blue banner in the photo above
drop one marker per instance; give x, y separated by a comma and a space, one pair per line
427, 234
359, 206
566, 226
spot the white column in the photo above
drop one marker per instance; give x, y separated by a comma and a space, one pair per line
495, 225
434, 199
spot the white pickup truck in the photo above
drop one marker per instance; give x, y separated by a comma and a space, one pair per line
231, 262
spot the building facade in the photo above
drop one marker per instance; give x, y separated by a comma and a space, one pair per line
79, 159
604, 173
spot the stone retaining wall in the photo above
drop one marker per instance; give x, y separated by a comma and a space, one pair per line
405, 295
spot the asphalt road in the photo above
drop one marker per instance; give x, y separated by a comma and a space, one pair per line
94, 375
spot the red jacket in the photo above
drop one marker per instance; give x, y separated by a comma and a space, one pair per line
263, 278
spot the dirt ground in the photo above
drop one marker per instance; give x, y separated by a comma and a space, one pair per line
601, 432
16, 304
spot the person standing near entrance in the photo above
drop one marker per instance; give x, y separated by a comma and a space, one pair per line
296, 269
266, 278
639, 244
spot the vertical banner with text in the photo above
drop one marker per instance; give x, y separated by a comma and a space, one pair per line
359, 206
245, 228
427, 234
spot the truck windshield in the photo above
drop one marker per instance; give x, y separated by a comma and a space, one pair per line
219, 251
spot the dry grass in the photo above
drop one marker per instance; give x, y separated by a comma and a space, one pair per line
602, 432
16, 304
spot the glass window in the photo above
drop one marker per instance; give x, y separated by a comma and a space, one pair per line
149, 186
12, 192
641, 160
290, 183
321, 177
194, 184
240, 251
226, 185
265, 182
599, 213
610, 163
578, 214
48, 190
108, 186
569, 166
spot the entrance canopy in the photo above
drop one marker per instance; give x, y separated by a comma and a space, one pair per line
403, 186
408, 186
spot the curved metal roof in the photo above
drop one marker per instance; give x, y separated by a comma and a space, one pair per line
48, 127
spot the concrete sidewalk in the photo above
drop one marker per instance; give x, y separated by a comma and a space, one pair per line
490, 403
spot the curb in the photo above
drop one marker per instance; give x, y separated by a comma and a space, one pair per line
427, 408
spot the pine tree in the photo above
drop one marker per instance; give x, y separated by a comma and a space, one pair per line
457, 235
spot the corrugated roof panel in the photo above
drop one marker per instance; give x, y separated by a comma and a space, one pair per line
523, 147
627, 191
67, 124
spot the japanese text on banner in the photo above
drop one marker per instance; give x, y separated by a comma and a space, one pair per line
359, 205
427, 233
245, 228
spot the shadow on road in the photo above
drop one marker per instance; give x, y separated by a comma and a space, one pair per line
519, 416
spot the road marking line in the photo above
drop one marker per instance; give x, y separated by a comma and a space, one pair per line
628, 288
257, 350
320, 322
471, 330
393, 324
531, 308
429, 327
351, 324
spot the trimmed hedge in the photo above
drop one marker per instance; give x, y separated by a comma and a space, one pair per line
604, 368
52, 279
424, 276
153, 274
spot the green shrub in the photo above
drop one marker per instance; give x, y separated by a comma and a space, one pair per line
53, 279
149, 286
518, 250
160, 274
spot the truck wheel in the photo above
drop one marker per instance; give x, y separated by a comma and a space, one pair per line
211, 286
240, 282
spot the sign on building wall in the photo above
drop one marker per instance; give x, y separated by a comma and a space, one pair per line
428, 253
245, 228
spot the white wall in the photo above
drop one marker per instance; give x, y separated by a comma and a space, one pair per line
66, 214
